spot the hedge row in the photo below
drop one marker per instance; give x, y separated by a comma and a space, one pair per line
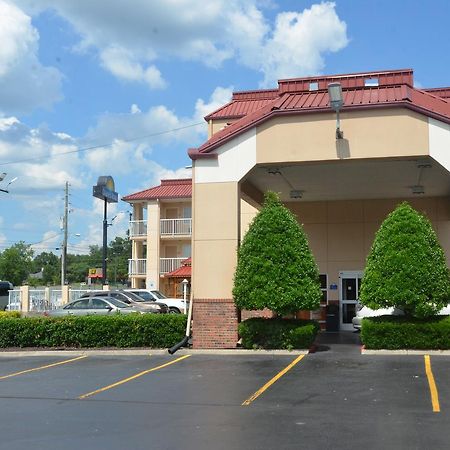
134, 330
6, 314
397, 332
278, 333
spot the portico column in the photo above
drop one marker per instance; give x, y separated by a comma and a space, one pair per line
153, 245
215, 242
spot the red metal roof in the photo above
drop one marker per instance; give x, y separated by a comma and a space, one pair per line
182, 272
443, 92
309, 95
177, 188
243, 103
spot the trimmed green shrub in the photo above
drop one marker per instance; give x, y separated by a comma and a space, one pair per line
5, 314
278, 333
399, 332
133, 330
275, 268
406, 266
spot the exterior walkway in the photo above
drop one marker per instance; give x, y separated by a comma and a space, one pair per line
341, 342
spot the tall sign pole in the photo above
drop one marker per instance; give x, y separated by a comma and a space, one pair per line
105, 190
105, 242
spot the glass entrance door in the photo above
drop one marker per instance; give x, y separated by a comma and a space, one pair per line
349, 283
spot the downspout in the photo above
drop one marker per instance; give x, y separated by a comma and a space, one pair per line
185, 340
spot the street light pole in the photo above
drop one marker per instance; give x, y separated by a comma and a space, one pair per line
64, 242
2, 176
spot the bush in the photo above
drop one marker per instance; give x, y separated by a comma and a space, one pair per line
406, 266
399, 332
10, 314
133, 330
278, 333
276, 269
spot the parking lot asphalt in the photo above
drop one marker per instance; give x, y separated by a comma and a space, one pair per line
335, 398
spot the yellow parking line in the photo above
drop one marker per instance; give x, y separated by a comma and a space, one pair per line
42, 367
269, 383
118, 383
432, 384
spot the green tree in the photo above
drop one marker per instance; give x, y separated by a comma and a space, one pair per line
119, 251
50, 265
276, 269
16, 263
406, 266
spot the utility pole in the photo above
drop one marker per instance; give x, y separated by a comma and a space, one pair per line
64, 229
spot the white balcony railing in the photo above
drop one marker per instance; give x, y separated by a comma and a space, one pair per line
137, 267
176, 227
138, 228
167, 265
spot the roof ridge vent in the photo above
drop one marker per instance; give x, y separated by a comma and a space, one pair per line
348, 81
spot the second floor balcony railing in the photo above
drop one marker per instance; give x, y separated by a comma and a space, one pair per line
138, 228
137, 266
167, 265
176, 227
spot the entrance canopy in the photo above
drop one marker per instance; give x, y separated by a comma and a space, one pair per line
353, 179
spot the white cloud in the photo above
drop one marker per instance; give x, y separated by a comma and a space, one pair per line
19, 142
219, 97
25, 83
299, 42
130, 41
135, 109
162, 126
121, 63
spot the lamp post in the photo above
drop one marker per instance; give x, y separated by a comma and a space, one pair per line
185, 283
336, 103
105, 190
2, 177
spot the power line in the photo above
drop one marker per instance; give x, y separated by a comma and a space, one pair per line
94, 147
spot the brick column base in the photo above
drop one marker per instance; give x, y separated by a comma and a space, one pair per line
214, 323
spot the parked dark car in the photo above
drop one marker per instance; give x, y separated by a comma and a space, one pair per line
130, 299
5, 287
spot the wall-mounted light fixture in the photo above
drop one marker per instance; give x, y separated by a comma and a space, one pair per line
336, 102
294, 194
418, 189
273, 171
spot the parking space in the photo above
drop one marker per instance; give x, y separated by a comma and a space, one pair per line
327, 400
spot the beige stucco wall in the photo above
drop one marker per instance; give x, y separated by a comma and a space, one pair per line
248, 212
215, 238
217, 125
378, 133
340, 233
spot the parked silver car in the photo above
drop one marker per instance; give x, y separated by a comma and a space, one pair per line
131, 300
94, 306
176, 305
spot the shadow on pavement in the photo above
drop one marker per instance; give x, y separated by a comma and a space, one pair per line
342, 341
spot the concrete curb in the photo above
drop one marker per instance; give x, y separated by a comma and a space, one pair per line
405, 352
147, 352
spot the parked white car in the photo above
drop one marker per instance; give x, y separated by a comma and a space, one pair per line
176, 305
364, 311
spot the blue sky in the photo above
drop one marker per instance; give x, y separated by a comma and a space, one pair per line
91, 73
